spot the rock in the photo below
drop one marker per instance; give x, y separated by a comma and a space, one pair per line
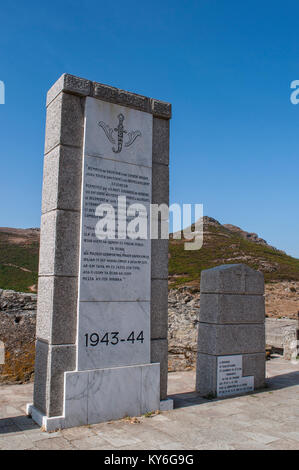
17, 332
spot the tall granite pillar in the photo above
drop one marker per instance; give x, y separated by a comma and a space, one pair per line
102, 304
231, 335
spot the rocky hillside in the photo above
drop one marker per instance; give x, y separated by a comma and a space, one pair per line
228, 244
19, 259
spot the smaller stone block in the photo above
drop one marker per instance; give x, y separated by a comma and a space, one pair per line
59, 243
65, 122
232, 279
228, 308
62, 179
159, 308
231, 339
159, 259
159, 354
161, 141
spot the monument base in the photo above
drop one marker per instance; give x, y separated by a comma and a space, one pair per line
95, 396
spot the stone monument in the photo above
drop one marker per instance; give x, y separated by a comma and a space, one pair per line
101, 350
231, 335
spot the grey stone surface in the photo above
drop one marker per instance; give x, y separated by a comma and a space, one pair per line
51, 363
159, 259
159, 353
41, 376
121, 97
231, 339
62, 179
255, 364
231, 331
160, 184
161, 109
232, 279
59, 243
83, 87
159, 308
206, 374
161, 141
65, 122
57, 309
71, 84
227, 308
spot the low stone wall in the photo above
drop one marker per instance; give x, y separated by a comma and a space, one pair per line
17, 332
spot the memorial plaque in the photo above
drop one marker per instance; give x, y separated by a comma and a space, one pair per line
96, 356
115, 271
229, 377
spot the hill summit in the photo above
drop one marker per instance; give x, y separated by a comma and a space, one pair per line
228, 244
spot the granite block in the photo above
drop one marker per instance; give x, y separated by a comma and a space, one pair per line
228, 308
70, 84
159, 354
65, 122
255, 364
160, 184
59, 243
57, 309
159, 266
161, 141
231, 339
232, 279
62, 179
206, 374
159, 308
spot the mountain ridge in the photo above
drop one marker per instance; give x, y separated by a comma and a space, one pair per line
223, 244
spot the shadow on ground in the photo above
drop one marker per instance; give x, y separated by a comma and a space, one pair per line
17, 424
290, 379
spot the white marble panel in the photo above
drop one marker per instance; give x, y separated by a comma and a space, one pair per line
114, 268
105, 336
229, 376
104, 137
76, 398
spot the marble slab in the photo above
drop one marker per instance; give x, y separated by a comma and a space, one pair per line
102, 395
113, 334
229, 376
102, 137
118, 267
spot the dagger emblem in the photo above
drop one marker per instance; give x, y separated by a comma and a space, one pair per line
132, 135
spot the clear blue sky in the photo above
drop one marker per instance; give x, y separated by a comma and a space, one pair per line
226, 66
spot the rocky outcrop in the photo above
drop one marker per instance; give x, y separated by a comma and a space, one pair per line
17, 332
250, 236
183, 314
